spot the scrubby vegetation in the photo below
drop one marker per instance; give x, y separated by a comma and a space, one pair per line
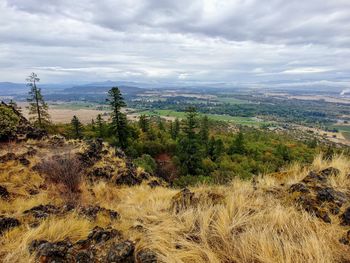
109, 192
122, 215
198, 149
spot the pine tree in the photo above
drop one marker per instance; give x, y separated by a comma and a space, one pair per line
175, 129
93, 127
37, 106
119, 121
77, 127
100, 125
160, 123
238, 145
190, 155
204, 131
144, 123
190, 123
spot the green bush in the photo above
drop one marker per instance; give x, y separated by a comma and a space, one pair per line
146, 162
8, 123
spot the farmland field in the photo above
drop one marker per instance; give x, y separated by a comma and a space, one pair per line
171, 114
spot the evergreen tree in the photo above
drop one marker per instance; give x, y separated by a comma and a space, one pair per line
100, 125
190, 123
215, 148
211, 148
119, 121
238, 145
37, 106
218, 149
204, 131
77, 127
175, 129
144, 123
93, 127
190, 155
160, 123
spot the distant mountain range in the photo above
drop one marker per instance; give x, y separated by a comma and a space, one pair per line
128, 88
103, 87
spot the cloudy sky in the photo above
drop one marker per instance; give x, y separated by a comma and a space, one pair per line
182, 41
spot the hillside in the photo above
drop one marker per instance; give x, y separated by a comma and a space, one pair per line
116, 212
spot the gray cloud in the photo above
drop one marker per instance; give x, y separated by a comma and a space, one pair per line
238, 41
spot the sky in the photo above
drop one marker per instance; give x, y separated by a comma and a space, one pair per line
236, 42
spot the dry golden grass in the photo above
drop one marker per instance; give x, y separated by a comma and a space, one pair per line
248, 225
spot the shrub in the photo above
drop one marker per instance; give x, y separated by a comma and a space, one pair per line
146, 162
8, 123
63, 171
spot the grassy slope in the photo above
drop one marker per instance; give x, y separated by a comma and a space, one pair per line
246, 226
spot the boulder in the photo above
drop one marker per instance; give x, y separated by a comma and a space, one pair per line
129, 177
328, 194
121, 252
345, 217
24, 161
92, 153
6, 223
8, 157
299, 187
154, 183
99, 234
105, 172
146, 256
4, 194
84, 257
314, 177
42, 211
53, 252
311, 206
56, 141
183, 200
92, 211
330, 171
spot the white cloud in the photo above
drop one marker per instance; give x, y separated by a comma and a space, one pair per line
232, 41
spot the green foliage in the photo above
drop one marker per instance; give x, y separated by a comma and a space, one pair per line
100, 126
237, 145
9, 122
144, 123
189, 148
191, 158
38, 108
175, 129
186, 180
77, 127
147, 163
119, 121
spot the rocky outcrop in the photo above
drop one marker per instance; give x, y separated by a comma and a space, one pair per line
6, 223
42, 211
146, 256
24, 129
101, 245
345, 217
183, 200
92, 154
21, 158
92, 211
122, 252
315, 195
4, 194
129, 176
